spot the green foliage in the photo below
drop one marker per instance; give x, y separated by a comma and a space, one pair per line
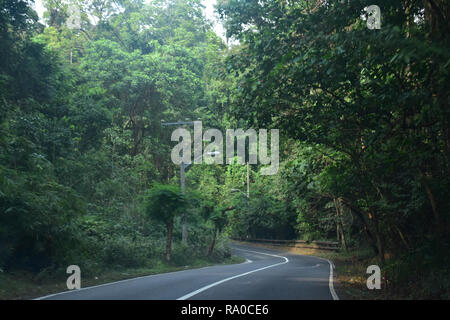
81, 141
126, 252
85, 170
164, 203
364, 113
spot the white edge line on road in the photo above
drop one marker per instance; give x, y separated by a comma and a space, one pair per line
330, 281
193, 293
330, 284
107, 284
121, 281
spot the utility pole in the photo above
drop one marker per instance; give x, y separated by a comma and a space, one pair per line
248, 180
184, 167
184, 233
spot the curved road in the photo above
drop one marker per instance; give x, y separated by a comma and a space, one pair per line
267, 275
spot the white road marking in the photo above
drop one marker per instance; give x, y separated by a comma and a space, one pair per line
115, 282
193, 293
330, 283
330, 280
121, 281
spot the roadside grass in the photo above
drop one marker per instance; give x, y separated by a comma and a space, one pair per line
351, 276
26, 285
397, 283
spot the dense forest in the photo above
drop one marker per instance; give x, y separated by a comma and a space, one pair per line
86, 175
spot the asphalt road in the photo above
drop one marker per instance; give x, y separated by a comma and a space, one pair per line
267, 275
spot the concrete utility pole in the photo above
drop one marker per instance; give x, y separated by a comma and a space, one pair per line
184, 233
248, 180
183, 168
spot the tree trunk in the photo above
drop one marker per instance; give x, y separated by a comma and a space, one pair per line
402, 237
213, 243
437, 216
169, 241
409, 17
339, 222
338, 232
437, 13
372, 240
380, 243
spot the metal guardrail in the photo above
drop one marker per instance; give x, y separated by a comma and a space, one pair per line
320, 245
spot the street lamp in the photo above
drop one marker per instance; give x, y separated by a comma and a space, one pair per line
212, 153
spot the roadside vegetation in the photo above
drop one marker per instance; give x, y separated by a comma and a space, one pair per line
86, 176
83, 156
19, 285
365, 117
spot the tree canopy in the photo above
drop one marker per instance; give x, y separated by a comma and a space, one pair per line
363, 114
